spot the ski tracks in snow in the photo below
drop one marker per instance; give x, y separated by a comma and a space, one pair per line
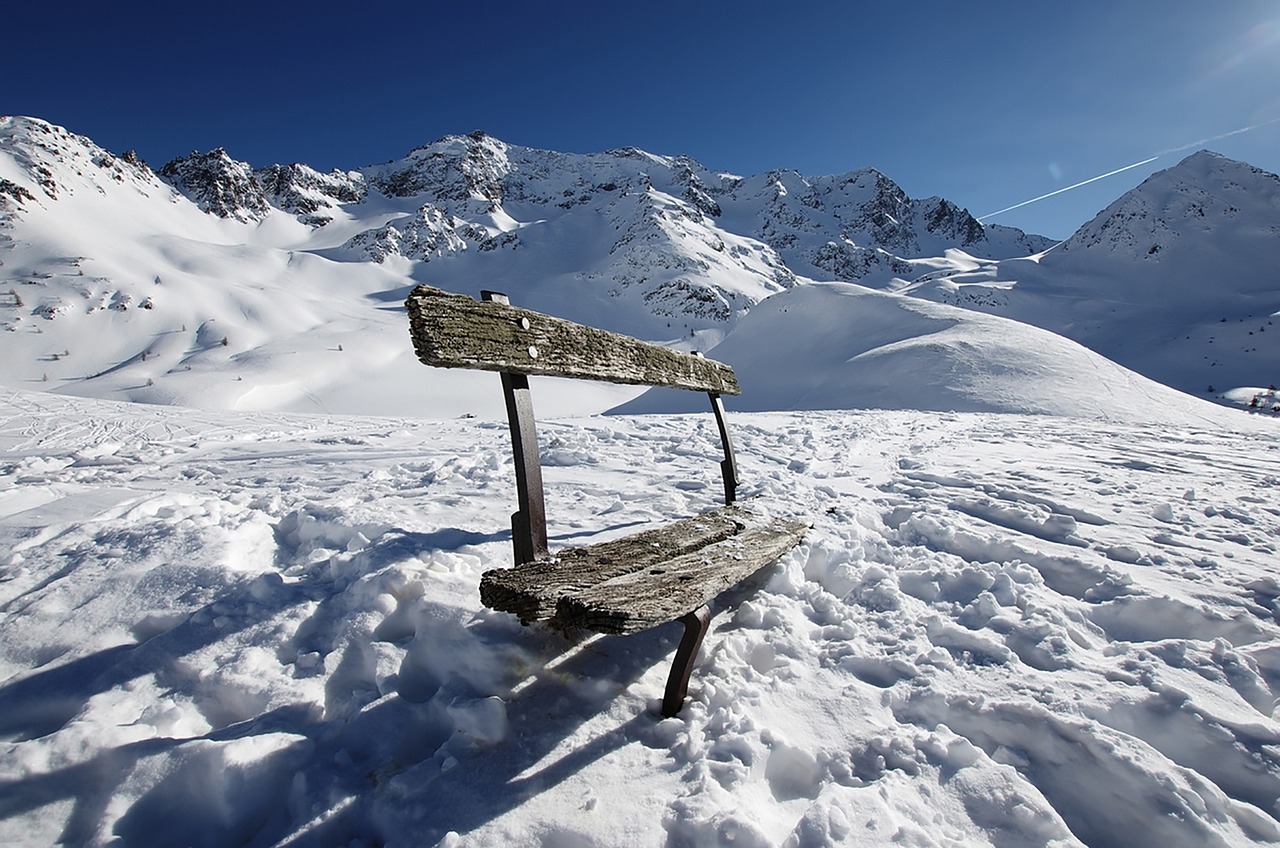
263, 629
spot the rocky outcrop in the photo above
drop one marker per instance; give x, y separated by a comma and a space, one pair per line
219, 185
309, 194
429, 233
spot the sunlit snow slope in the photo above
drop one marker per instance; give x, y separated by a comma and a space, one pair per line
837, 345
1175, 280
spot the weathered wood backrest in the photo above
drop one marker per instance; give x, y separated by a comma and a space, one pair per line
455, 331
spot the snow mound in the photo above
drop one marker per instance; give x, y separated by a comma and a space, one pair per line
842, 346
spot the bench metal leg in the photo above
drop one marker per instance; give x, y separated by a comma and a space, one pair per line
728, 465
529, 525
695, 624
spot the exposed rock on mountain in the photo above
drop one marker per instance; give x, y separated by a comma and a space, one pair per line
845, 260
454, 168
219, 185
309, 194
427, 234
10, 191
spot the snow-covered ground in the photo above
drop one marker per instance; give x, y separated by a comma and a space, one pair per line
244, 625
1006, 630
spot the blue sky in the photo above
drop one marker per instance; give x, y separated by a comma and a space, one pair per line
984, 103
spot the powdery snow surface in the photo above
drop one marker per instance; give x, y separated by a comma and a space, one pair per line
1002, 630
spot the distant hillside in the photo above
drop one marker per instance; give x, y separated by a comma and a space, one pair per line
842, 346
1177, 279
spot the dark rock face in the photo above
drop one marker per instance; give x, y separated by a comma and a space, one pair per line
219, 185
946, 220
428, 234
13, 190
456, 168
307, 193
844, 260
886, 214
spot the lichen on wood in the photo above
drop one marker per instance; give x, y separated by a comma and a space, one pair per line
653, 577
455, 331
531, 590
662, 592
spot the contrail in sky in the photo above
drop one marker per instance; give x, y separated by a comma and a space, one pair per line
1067, 188
1216, 137
1127, 167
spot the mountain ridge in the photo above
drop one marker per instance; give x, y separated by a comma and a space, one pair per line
1172, 279
165, 286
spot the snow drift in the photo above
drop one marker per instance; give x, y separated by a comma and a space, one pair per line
841, 346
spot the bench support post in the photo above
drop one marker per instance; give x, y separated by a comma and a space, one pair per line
695, 628
529, 524
728, 465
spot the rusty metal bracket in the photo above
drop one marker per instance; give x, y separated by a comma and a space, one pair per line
728, 465
695, 624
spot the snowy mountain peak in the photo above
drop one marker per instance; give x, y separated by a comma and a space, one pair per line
453, 168
49, 162
862, 227
884, 210
1204, 193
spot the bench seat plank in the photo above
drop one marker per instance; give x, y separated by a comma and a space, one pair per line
531, 590
454, 331
656, 594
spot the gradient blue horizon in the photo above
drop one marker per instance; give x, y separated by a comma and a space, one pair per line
986, 104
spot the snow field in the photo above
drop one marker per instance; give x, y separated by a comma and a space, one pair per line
1002, 630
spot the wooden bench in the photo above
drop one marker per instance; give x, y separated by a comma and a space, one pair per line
627, 585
